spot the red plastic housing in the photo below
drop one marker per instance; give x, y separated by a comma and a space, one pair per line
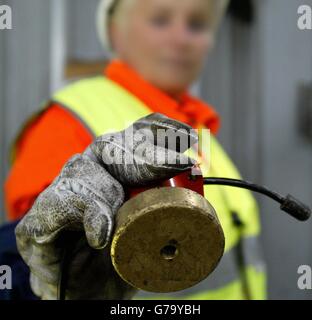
187, 180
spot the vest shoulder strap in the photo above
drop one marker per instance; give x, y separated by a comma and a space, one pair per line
102, 104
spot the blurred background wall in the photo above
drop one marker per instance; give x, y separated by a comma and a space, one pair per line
253, 79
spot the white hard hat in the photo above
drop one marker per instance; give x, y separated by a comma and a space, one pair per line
102, 21
104, 11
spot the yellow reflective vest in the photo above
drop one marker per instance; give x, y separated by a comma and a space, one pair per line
104, 106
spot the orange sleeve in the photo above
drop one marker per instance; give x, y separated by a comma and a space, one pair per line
42, 150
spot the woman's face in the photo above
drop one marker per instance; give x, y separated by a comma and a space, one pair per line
166, 41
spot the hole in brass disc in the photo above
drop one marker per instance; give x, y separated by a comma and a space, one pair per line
169, 252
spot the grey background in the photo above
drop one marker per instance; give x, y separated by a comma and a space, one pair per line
252, 79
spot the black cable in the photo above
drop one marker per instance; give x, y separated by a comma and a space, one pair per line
245, 185
71, 242
63, 276
289, 204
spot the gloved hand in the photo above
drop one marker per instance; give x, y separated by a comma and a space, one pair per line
86, 196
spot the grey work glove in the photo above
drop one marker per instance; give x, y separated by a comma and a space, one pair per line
85, 197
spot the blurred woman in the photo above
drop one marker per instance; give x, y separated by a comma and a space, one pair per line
158, 49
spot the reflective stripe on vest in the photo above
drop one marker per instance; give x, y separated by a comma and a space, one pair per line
105, 107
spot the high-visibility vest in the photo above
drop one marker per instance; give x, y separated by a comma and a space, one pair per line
104, 107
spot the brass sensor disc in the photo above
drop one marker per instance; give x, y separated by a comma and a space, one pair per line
167, 239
